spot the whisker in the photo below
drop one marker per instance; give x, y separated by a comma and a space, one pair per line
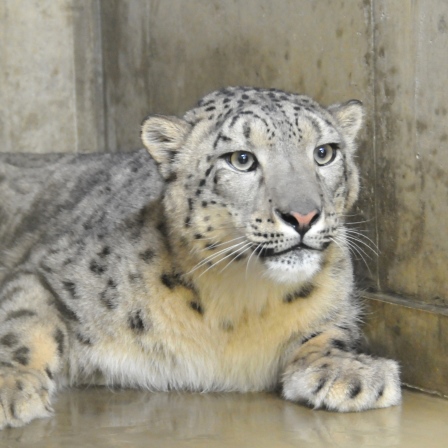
251, 255
355, 241
352, 223
238, 252
354, 249
213, 246
216, 264
215, 255
357, 232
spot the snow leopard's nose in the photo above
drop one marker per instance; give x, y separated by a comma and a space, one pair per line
300, 223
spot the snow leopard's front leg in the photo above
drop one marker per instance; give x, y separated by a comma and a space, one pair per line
33, 349
325, 372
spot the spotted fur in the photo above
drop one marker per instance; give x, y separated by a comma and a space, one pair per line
175, 267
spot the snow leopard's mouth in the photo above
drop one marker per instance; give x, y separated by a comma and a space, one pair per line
269, 252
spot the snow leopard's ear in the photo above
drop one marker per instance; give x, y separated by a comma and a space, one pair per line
350, 116
163, 136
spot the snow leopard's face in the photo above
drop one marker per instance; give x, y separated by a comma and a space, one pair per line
258, 177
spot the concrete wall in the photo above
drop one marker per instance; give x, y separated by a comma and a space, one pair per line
79, 75
50, 76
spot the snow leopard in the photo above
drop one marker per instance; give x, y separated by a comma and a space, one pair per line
216, 258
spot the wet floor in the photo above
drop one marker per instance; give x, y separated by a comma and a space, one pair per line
103, 418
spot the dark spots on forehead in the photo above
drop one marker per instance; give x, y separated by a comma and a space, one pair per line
234, 120
18, 314
190, 204
202, 103
187, 221
22, 356
247, 131
198, 236
202, 183
222, 137
204, 204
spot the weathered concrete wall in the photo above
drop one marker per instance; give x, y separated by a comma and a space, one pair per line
50, 76
411, 104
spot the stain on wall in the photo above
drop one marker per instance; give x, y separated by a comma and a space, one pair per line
411, 98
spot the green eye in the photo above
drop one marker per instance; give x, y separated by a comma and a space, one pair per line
325, 154
242, 160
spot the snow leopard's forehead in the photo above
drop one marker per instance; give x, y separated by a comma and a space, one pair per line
221, 104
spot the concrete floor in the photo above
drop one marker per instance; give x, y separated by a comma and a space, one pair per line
104, 418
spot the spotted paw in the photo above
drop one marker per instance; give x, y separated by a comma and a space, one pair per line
345, 382
24, 396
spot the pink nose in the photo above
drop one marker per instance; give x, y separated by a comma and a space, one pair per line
304, 221
300, 223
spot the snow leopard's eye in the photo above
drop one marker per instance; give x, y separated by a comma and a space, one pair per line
242, 160
325, 154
